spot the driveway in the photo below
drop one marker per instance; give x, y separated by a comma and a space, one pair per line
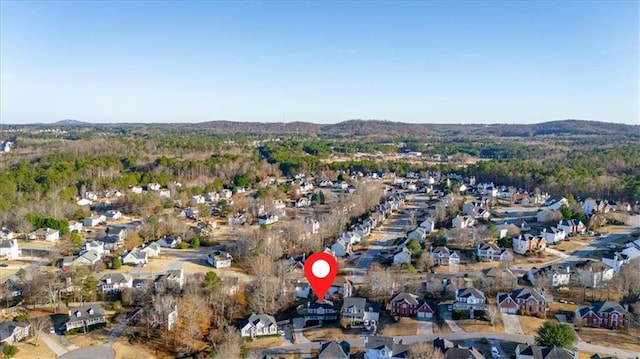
425, 326
52, 344
454, 327
512, 324
298, 325
95, 352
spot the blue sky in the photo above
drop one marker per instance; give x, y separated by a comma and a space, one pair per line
323, 62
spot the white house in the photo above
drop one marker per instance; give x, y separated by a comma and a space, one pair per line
419, 234
75, 226
87, 258
169, 241
303, 202
593, 274
571, 226
350, 237
557, 276
385, 348
6, 233
96, 246
113, 215
219, 259
429, 225
225, 194
115, 282
135, 257
152, 250
555, 203
136, 189
9, 249
402, 256
527, 243
312, 225
470, 299
45, 234
94, 220
491, 252
259, 325
153, 186
340, 248
615, 260
553, 235
197, 199
462, 222
443, 256
267, 219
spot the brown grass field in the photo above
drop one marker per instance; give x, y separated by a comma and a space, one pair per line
406, 326
530, 325
472, 325
28, 349
326, 334
605, 337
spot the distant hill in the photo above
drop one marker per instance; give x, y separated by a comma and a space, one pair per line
69, 122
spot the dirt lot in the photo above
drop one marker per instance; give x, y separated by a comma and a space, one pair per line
570, 246
406, 326
530, 325
472, 325
630, 341
30, 350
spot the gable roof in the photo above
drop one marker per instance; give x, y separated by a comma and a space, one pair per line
406, 297
334, 350
526, 293
116, 278
376, 343
540, 352
469, 291
265, 319
86, 312
359, 303
7, 329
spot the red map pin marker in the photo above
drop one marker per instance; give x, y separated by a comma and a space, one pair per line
320, 269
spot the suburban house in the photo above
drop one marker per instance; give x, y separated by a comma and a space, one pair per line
462, 222
9, 249
469, 299
152, 250
607, 314
12, 289
135, 257
13, 332
456, 351
556, 275
401, 256
555, 203
115, 282
351, 237
429, 225
358, 311
113, 215
85, 317
96, 246
527, 243
340, 286
443, 256
571, 226
236, 220
303, 202
593, 273
615, 260
225, 193
45, 234
419, 234
321, 310
384, 347
219, 259
312, 225
75, 226
88, 258
94, 220
523, 299
545, 215
340, 248
6, 233
172, 281
334, 350
526, 351
259, 325
553, 235
166, 316
501, 277
407, 305
491, 252
169, 241
267, 219
363, 230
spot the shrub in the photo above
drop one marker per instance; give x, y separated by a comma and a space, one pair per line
183, 245
541, 315
523, 312
460, 314
9, 350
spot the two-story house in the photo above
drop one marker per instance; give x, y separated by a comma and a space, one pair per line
45, 234
556, 275
13, 332
553, 235
321, 310
401, 256
443, 256
96, 246
571, 226
462, 222
609, 314
526, 351
491, 252
523, 299
456, 351
169, 241
9, 249
258, 325
385, 348
135, 257
152, 250
615, 260
172, 281
115, 282
528, 243
429, 225
499, 277
334, 350
357, 311
94, 220
85, 317
219, 259
593, 274
419, 234
408, 305
470, 299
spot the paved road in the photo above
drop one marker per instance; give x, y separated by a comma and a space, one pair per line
354, 342
511, 324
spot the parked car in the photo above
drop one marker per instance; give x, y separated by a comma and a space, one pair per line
52, 330
494, 352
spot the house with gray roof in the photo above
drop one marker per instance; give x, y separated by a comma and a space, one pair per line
13, 332
334, 350
456, 351
522, 299
385, 347
470, 299
135, 257
115, 282
609, 314
258, 325
358, 311
85, 317
526, 351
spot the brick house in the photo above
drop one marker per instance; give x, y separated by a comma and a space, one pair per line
408, 305
609, 314
522, 299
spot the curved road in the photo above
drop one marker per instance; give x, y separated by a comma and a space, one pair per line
305, 348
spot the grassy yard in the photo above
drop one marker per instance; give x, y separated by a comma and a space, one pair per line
264, 342
569, 246
30, 349
473, 325
124, 350
93, 338
330, 333
530, 325
557, 307
441, 329
406, 326
628, 341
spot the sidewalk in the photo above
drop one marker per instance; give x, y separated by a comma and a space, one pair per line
454, 327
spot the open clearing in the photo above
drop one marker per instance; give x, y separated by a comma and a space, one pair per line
530, 325
94, 337
605, 337
263, 343
405, 326
326, 334
28, 349
472, 325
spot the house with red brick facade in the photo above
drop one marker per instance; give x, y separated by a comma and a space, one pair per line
522, 299
408, 305
609, 314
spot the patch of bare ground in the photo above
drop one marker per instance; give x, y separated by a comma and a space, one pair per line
94, 337
264, 342
473, 325
404, 326
330, 333
530, 324
33, 350
124, 350
605, 337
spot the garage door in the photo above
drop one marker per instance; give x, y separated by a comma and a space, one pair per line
424, 315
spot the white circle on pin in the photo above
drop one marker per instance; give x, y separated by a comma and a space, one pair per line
320, 268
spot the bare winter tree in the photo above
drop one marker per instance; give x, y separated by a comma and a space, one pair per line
425, 350
230, 345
